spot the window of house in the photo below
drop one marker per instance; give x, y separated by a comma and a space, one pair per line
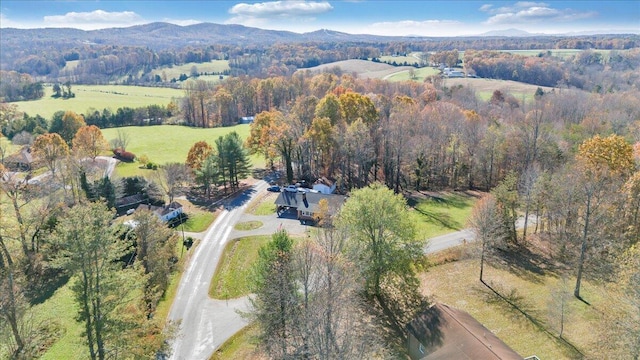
421, 348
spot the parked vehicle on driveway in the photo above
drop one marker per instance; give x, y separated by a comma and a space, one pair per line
291, 188
274, 188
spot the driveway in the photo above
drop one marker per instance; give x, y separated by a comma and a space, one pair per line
205, 323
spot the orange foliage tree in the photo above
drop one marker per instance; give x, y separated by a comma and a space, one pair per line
89, 141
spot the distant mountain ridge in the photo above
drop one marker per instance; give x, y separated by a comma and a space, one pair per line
165, 35
159, 35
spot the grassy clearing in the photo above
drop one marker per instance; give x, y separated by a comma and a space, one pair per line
199, 221
62, 309
232, 277
420, 74
216, 66
456, 283
248, 225
441, 214
163, 144
409, 59
263, 205
485, 87
99, 97
241, 346
561, 53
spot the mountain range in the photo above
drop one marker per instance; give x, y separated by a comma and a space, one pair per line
160, 35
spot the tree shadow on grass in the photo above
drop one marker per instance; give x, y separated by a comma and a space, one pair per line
41, 290
524, 263
510, 302
439, 218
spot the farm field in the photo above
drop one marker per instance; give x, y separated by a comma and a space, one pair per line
485, 87
175, 71
363, 68
421, 74
410, 58
99, 97
169, 143
561, 53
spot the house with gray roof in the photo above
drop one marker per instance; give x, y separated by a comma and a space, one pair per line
306, 204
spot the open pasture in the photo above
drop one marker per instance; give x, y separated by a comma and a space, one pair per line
214, 66
561, 53
169, 143
485, 87
409, 58
420, 74
99, 97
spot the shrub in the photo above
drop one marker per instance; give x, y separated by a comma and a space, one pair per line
143, 159
124, 155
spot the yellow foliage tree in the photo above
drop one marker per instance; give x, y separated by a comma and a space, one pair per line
89, 141
198, 153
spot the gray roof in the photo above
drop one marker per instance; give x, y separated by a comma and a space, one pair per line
309, 201
449, 333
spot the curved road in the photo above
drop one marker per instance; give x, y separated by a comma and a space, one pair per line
206, 323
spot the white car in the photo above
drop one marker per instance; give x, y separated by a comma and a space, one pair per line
291, 188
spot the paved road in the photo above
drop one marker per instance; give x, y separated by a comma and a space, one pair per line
207, 323
463, 236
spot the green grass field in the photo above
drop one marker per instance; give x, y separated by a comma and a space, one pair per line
232, 277
410, 58
168, 143
420, 74
99, 97
438, 216
175, 71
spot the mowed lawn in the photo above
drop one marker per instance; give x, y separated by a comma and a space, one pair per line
441, 213
99, 97
164, 144
233, 275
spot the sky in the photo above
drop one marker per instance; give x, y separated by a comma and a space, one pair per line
377, 17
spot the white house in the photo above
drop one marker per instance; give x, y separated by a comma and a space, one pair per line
165, 213
324, 186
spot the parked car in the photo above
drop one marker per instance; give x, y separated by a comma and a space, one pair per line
274, 188
291, 188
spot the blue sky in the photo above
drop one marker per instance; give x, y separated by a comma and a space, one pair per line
380, 17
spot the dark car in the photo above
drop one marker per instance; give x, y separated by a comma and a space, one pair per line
274, 188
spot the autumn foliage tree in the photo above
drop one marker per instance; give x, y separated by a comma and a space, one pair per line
198, 154
602, 163
66, 124
51, 149
89, 141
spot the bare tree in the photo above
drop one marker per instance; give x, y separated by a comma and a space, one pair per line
486, 223
171, 177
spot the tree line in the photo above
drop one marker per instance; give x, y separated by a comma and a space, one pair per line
98, 64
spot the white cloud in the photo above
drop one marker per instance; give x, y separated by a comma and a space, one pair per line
280, 9
417, 28
531, 12
292, 15
97, 19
